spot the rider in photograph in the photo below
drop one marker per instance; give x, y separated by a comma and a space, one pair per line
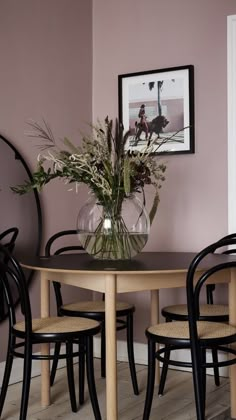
143, 120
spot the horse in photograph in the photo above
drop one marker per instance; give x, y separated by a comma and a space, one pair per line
155, 126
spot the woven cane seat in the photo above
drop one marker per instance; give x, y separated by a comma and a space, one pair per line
55, 325
180, 329
95, 306
93, 309
205, 310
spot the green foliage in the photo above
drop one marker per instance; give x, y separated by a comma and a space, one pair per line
100, 162
127, 175
154, 207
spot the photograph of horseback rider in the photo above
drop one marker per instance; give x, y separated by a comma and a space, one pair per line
156, 107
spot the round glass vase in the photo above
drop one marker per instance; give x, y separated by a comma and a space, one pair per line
110, 235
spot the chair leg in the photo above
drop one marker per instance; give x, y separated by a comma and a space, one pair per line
26, 381
7, 372
2, 300
103, 351
216, 369
150, 379
164, 371
81, 370
209, 290
130, 347
164, 367
90, 378
197, 373
55, 362
70, 375
203, 361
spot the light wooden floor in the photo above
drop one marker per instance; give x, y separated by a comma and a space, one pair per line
176, 404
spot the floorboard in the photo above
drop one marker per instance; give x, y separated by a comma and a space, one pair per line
176, 404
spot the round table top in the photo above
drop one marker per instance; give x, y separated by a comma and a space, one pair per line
145, 262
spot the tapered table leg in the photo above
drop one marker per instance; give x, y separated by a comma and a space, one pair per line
155, 320
111, 348
45, 348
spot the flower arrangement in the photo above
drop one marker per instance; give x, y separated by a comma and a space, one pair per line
101, 163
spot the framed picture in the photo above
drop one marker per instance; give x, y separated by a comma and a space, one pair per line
157, 107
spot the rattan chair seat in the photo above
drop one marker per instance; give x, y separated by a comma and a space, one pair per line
180, 329
90, 309
205, 310
95, 306
55, 325
25, 332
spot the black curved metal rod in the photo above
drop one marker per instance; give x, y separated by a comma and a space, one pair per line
38, 239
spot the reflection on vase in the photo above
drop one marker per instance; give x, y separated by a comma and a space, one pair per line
111, 233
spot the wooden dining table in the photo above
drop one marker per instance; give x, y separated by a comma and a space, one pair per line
149, 271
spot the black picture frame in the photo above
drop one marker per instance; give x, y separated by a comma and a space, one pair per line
167, 98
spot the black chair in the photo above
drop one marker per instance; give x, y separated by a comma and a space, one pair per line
8, 239
25, 334
94, 310
208, 312
194, 334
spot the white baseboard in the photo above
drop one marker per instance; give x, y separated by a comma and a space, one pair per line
140, 351
140, 358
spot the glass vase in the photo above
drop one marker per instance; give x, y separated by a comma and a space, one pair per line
107, 234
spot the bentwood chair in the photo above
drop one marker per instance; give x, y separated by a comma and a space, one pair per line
8, 239
208, 312
94, 309
195, 334
23, 335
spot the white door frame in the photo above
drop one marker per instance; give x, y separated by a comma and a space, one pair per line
231, 93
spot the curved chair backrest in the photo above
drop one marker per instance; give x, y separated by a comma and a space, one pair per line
62, 249
53, 238
11, 277
8, 238
203, 258
211, 287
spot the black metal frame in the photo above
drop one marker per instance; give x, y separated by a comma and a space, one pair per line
126, 323
38, 239
197, 345
12, 272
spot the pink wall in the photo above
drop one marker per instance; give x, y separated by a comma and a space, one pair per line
46, 72
47, 61
131, 36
